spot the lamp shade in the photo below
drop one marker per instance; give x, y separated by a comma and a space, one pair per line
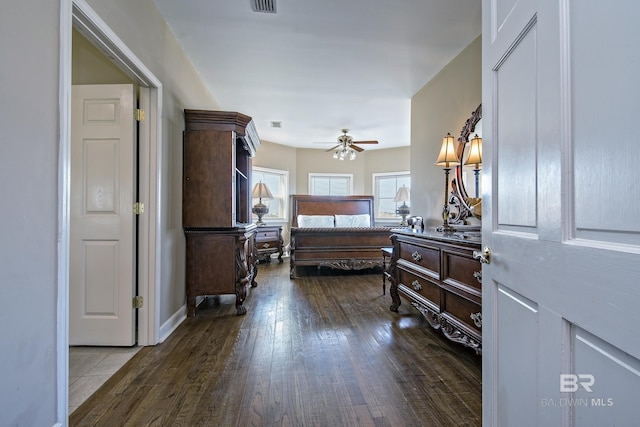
403, 195
474, 156
448, 156
261, 191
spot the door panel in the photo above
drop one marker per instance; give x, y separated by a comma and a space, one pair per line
516, 341
560, 296
99, 173
600, 116
516, 162
613, 371
100, 272
102, 245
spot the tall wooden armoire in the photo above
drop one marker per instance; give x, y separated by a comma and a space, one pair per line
221, 256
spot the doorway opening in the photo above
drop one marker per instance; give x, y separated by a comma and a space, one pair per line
78, 16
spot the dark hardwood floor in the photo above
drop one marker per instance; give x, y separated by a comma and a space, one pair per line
321, 350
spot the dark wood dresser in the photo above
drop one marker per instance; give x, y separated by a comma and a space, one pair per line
221, 256
269, 241
438, 275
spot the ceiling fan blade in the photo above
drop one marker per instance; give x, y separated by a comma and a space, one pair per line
331, 149
358, 149
365, 142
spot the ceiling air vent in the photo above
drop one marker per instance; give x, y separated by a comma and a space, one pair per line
265, 6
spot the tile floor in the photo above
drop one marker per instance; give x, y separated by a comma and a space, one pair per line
90, 367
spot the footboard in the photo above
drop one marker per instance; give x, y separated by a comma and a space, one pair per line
339, 248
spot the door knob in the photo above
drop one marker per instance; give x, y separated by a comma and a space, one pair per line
484, 257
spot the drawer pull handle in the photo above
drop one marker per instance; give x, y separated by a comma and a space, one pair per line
477, 319
416, 256
416, 285
266, 245
478, 276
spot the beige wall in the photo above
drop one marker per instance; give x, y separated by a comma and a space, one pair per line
278, 156
385, 160
442, 105
91, 66
300, 162
310, 160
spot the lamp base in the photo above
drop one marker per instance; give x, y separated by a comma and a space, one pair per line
260, 210
403, 211
445, 227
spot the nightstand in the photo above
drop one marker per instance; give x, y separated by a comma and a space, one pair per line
269, 241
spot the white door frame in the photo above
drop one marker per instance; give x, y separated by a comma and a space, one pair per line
78, 14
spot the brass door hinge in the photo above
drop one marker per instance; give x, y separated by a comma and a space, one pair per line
137, 301
138, 114
138, 208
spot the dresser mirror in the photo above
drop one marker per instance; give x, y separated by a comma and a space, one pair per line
466, 204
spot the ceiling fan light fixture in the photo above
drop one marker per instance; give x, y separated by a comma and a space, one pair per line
343, 152
347, 147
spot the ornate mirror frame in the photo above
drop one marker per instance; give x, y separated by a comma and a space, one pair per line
460, 209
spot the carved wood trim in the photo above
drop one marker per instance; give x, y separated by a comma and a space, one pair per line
456, 334
449, 329
460, 211
350, 264
432, 318
242, 273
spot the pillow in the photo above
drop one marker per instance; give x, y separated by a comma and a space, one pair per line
362, 220
315, 221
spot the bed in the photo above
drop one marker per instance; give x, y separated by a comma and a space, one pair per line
336, 232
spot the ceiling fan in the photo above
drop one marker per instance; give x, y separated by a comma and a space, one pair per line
347, 146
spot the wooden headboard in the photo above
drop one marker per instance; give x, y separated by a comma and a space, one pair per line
330, 205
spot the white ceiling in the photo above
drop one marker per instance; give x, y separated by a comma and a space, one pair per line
320, 66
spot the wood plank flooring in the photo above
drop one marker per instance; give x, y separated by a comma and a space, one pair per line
320, 350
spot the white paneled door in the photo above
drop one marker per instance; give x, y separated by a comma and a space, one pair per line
103, 232
561, 294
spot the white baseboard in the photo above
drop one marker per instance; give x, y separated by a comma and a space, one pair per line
174, 321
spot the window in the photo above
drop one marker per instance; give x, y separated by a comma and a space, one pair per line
329, 184
278, 183
385, 187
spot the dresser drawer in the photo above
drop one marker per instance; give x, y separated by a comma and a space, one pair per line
459, 267
261, 246
420, 286
466, 311
267, 235
423, 256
